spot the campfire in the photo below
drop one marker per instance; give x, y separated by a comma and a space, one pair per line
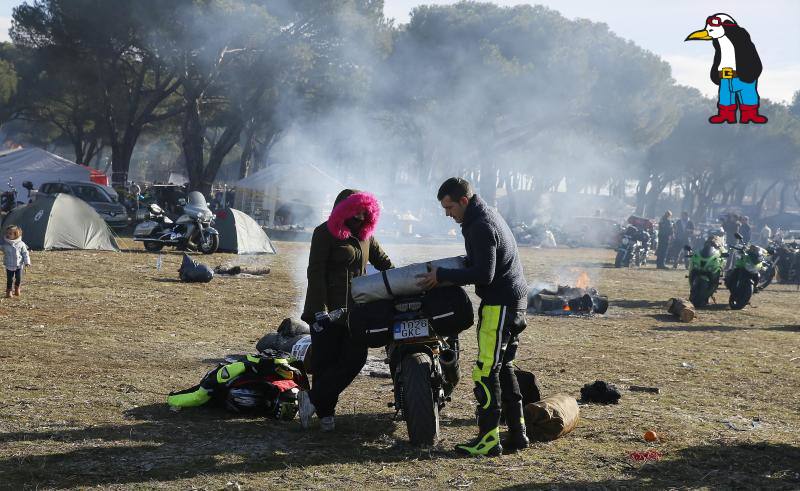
568, 300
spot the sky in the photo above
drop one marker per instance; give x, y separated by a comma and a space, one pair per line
661, 27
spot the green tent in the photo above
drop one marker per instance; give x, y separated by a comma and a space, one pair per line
240, 234
61, 221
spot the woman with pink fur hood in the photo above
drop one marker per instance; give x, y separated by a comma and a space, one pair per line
340, 250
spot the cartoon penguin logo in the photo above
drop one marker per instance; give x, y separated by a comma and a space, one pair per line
736, 69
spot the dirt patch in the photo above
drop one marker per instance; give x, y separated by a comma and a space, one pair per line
98, 339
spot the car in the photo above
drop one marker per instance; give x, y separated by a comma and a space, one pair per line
102, 198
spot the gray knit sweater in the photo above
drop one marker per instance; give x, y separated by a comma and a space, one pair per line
493, 263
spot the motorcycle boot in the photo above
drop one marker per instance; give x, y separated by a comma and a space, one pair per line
517, 435
487, 443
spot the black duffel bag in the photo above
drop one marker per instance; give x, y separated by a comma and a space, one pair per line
449, 309
193, 272
371, 323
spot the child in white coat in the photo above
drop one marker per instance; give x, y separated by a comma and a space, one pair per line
15, 258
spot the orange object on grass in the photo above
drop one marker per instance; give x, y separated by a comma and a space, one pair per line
650, 436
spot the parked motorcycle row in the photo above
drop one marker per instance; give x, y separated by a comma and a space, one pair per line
744, 269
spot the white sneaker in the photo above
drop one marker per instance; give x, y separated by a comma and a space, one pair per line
306, 409
327, 423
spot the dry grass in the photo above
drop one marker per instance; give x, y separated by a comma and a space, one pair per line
98, 339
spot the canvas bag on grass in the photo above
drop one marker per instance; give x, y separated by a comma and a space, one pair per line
552, 417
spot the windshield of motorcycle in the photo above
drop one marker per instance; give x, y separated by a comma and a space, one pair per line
710, 264
196, 207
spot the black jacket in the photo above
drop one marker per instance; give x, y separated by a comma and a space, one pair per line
748, 63
493, 263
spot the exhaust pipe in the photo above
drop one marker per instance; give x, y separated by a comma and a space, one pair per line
448, 359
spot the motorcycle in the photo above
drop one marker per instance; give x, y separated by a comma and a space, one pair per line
705, 268
787, 262
424, 370
8, 199
633, 248
191, 231
742, 279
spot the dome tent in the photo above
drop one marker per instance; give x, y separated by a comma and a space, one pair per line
61, 222
240, 234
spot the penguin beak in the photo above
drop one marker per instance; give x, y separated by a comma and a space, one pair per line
701, 35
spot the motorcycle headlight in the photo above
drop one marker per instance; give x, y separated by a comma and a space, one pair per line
752, 268
625, 241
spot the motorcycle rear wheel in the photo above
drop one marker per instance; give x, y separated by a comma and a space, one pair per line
419, 407
153, 246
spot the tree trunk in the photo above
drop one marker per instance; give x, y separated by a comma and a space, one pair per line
192, 142
120, 163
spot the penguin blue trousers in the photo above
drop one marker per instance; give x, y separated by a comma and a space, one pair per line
730, 88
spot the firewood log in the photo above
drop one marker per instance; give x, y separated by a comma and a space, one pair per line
681, 308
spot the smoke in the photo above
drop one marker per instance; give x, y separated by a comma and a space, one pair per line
488, 96
509, 98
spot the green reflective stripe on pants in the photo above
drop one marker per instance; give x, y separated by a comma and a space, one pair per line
489, 331
488, 394
229, 372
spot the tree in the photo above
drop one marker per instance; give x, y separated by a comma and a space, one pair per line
118, 44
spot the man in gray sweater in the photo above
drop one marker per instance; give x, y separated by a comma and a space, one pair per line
494, 267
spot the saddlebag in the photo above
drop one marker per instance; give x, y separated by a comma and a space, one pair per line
449, 309
371, 323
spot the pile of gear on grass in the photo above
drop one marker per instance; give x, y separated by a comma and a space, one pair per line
417, 329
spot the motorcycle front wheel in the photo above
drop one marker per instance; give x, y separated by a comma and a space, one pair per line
618, 262
765, 279
697, 293
419, 407
741, 293
209, 245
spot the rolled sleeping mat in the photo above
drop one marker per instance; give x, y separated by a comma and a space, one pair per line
552, 417
398, 282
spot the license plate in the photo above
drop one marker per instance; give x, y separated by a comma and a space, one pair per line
415, 328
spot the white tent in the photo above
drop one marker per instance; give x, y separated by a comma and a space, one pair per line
38, 166
240, 234
306, 184
62, 221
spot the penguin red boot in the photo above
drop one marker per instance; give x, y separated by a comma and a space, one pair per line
727, 114
750, 113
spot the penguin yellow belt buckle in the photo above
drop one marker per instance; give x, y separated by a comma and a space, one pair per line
727, 72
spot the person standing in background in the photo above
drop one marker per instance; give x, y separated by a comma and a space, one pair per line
745, 231
765, 235
665, 232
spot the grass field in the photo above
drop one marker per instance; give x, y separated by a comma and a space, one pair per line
97, 340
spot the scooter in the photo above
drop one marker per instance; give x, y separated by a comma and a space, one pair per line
191, 231
424, 369
705, 268
747, 264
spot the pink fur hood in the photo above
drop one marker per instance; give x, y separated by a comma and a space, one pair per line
348, 208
